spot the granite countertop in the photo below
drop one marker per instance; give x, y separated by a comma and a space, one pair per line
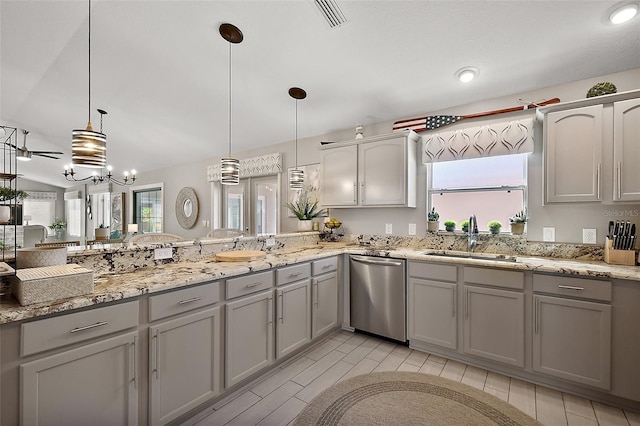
113, 287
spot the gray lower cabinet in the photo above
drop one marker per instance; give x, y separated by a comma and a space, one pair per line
293, 321
432, 312
325, 303
95, 384
572, 328
494, 324
249, 336
184, 364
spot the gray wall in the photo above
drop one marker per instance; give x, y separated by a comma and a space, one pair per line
568, 219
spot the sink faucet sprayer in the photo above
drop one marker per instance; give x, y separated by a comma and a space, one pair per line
473, 233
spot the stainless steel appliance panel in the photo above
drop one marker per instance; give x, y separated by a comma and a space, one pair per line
378, 296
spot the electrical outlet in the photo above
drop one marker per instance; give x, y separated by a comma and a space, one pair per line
388, 229
588, 236
163, 253
412, 229
270, 242
549, 234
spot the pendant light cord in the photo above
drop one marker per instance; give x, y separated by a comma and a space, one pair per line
89, 61
229, 99
296, 133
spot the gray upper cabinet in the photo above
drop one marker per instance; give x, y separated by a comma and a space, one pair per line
376, 171
573, 137
626, 150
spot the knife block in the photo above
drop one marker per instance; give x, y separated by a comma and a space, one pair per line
618, 257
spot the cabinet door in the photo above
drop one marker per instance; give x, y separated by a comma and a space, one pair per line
293, 321
573, 137
249, 336
94, 384
494, 324
325, 304
432, 312
184, 365
626, 150
572, 340
382, 172
339, 176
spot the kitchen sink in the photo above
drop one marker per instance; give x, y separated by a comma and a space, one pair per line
478, 256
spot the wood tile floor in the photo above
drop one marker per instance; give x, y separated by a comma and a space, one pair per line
280, 395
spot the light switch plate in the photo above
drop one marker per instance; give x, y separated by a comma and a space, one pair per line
388, 229
588, 236
163, 253
412, 229
270, 242
549, 234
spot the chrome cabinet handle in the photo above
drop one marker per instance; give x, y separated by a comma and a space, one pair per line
156, 351
280, 307
89, 327
293, 275
619, 180
327, 266
184, 302
570, 287
362, 192
598, 180
376, 262
536, 305
453, 302
135, 370
315, 293
467, 307
355, 193
270, 310
252, 285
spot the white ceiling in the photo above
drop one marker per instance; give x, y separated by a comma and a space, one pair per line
160, 68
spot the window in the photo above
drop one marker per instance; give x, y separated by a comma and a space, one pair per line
41, 207
252, 205
147, 209
492, 188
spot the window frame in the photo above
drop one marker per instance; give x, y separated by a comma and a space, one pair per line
144, 188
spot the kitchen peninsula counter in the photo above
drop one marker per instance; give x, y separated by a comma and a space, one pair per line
110, 287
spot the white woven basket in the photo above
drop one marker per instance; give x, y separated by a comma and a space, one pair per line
37, 285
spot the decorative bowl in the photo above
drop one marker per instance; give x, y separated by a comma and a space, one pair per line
35, 257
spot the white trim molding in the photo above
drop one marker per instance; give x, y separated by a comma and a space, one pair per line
269, 164
512, 137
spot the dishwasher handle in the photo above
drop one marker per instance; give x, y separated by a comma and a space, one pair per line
376, 262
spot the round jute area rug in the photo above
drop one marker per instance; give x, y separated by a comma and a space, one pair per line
401, 398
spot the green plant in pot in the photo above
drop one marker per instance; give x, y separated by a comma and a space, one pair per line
305, 210
58, 228
450, 225
464, 225
433, 218
494, 226
7, 195
517, 221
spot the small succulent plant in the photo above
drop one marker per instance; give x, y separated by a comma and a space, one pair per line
520, 217
494, 226
450, 225
464, 225
433, 215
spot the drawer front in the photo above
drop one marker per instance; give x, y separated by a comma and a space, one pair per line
293, 273
433, 271
249, 284
572, 287
50, 333
324, 265
186, 299
494, 277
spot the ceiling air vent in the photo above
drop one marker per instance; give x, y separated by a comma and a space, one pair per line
331, 12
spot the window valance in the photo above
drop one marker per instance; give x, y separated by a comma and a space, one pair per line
512, 137
257, 166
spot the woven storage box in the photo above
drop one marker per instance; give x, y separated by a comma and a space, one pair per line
37, 285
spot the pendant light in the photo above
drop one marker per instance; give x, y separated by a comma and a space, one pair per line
296, 176
89, 148
229, 166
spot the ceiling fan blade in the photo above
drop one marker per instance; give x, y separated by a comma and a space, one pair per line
47, 152
11, 145
44, 155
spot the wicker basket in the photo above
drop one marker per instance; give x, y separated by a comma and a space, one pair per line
37, 285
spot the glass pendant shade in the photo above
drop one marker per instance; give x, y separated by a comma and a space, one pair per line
296, 179
88, 148
230, 171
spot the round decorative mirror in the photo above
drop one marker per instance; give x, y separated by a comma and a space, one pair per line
187, 207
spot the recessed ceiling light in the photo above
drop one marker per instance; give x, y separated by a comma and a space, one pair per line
467, 74
623, 12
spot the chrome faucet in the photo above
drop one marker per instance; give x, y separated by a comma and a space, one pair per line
473, 233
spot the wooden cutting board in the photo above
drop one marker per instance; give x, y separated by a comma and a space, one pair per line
240, 255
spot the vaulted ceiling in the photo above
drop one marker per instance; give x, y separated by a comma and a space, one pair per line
160, 68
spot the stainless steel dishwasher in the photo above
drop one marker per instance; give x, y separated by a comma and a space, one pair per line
378, 296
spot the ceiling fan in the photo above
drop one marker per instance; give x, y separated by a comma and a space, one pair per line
23, 154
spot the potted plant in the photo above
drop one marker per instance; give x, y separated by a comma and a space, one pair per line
305, 210
432, 217
517, 222
450, 225
8, 194
494, 226
58, 228
102, 232
464, 225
